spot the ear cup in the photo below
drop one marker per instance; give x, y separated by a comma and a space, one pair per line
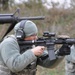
20, 34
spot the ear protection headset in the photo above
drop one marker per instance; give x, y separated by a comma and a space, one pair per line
20, 34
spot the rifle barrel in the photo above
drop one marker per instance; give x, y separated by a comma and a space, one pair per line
6, 15
33, 18
65, 41
11, 19
6, 19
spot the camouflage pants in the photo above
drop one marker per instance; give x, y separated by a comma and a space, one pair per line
70, 73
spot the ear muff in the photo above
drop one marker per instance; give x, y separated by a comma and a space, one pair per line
20, 34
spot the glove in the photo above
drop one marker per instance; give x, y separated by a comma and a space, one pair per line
64, 50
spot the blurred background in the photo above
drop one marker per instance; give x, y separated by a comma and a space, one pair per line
59, 18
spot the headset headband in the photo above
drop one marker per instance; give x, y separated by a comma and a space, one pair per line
22, 24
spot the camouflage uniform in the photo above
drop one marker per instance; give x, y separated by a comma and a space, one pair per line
29, 70
70, 62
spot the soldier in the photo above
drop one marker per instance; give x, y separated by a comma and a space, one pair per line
15, 62
70, 62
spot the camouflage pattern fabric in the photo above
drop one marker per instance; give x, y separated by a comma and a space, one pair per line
29, 70
26, 72
4, 70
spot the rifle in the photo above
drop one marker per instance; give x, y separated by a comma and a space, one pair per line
11, 18
49, 40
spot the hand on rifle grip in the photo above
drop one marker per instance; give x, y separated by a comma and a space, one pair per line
38, 50
64, 50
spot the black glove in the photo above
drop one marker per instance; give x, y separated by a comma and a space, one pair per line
64, 50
